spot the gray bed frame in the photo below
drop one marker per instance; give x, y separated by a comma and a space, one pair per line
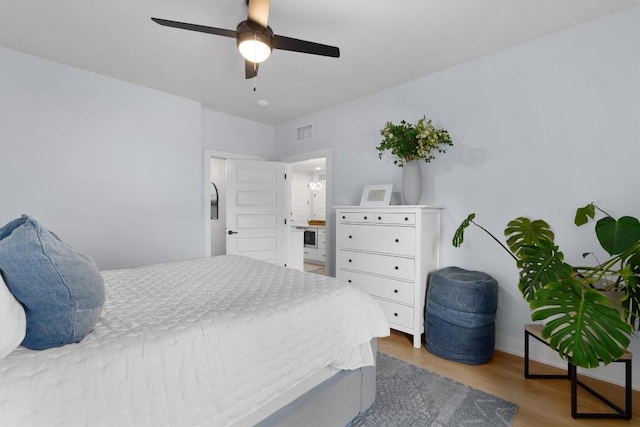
334, 402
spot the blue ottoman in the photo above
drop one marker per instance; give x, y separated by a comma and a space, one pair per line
460, 314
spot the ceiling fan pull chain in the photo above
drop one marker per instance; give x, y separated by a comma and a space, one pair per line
255, 75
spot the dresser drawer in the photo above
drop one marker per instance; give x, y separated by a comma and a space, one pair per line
392, 240
360, 217
394, 290
395, 218
397, 313
395, 267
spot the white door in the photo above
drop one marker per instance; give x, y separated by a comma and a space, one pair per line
256, 209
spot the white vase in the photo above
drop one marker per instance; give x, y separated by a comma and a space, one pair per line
411, 183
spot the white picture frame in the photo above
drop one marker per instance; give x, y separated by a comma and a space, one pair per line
376, 195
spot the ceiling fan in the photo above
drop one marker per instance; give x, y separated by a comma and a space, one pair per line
255, 39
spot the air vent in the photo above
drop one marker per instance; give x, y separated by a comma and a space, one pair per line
322, 177
304, 133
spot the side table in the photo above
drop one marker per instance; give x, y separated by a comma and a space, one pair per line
535, 330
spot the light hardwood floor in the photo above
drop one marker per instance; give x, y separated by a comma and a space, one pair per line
315, 268
541, 402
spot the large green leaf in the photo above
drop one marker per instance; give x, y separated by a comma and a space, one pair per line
458, 236
631, 303
523, 232
618, 236
582, 323
540, 265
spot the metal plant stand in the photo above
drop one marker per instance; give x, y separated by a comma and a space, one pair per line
535, 330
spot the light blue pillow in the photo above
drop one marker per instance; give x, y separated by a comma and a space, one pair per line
61, 290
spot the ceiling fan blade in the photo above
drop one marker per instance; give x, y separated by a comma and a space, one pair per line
194, 27
259, 11
296, 45
250, 69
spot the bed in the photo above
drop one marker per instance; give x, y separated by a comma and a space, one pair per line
217, 341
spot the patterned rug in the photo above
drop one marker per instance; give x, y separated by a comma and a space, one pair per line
407, 395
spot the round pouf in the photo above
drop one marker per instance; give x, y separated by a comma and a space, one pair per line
460, 314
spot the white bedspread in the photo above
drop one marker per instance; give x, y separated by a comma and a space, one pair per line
201, 342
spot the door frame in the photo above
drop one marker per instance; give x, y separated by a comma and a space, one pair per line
330, 227
208, 155
326, 153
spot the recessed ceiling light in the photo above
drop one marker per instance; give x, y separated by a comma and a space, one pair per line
262, 103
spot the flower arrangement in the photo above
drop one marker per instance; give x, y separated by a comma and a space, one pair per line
409, 142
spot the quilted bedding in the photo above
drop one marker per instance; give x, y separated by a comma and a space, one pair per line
200, 342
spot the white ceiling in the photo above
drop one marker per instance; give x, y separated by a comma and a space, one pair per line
310, 166
382, 42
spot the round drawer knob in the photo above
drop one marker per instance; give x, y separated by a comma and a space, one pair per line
397, 240
349, 260
349, 280
365, 217
396, 267
350, 236
395, 314
379, 218
395, 291
344, 217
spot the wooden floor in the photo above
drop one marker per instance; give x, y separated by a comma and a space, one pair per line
541, 402
315, 268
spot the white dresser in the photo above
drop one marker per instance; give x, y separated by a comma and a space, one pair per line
388, 251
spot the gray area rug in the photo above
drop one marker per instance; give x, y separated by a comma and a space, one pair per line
407, 395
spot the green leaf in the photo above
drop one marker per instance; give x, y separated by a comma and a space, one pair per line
582, 325
458, 236
618, 236
413, 142
524, 232
583, 214
631, 277
540, 265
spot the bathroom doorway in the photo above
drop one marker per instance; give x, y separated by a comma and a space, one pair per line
309, 206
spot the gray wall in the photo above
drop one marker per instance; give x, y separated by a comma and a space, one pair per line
539, 129
222, 132
114, 169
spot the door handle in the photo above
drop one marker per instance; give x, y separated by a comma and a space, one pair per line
230, 232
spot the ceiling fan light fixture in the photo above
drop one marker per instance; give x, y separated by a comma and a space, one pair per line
254, 49
254, 41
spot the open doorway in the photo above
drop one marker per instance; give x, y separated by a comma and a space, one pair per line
215, 181
214, 172
308, 207
311, 177
218, 217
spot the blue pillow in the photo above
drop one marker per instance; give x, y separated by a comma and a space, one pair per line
61, 290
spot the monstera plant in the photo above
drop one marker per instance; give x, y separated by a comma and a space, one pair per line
582, 323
